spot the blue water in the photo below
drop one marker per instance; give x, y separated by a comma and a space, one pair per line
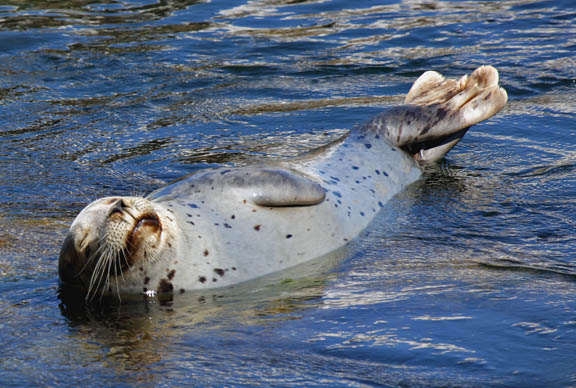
468, 278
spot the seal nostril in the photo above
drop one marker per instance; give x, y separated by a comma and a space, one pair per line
118, 207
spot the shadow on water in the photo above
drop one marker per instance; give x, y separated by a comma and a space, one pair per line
141, 332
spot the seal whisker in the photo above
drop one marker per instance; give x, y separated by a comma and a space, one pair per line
116, 268
109, 263
94, 280
122, 256
95, 274
99, 273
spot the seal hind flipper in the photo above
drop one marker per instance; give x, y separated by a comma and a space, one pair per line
271, 187
439, 112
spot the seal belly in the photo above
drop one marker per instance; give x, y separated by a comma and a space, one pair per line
231, 238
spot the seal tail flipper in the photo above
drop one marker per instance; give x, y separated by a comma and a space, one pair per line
439, 111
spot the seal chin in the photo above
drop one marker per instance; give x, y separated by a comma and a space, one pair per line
107, 240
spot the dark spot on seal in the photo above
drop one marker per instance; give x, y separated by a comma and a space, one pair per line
171, 274
257, 228
206, 253
219, 271
146, 280
426, 129
165, 286
441, 114
288, 236
202, 279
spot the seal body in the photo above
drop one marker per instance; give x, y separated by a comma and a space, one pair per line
223, 226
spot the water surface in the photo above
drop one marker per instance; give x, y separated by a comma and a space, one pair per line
466, 279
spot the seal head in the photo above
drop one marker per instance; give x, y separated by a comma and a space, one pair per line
109, 237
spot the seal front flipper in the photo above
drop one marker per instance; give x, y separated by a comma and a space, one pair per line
269, 187
439, 111
279, 187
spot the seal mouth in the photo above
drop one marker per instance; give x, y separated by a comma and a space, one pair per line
145, 225
148, 220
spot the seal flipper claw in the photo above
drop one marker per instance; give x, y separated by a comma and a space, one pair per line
439, 112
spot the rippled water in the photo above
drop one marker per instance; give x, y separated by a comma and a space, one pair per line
466, 279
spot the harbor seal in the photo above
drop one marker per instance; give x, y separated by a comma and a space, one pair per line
223, 226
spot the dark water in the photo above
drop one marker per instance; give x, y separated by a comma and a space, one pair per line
467, 279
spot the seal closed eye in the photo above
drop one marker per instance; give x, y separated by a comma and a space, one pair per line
263, 186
